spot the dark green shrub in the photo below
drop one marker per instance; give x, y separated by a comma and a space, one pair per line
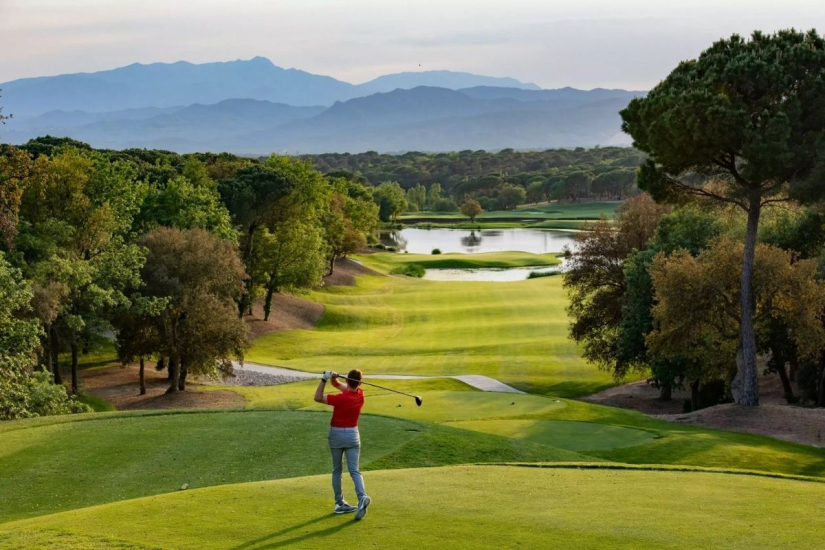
436, 251
410, 270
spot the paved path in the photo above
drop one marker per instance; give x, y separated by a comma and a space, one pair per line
483, 383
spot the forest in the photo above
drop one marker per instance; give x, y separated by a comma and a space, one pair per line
165, 251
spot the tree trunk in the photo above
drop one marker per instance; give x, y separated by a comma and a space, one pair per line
331, 265
270, 290
794, 366
786, 384
665, 392
50, 365
244, 301
694, 395
142, 379
53, 349
75, 385
748, 381
182, 380
170, 368
174, 374
821, 397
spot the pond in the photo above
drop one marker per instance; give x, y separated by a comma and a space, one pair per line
423, 241
496, 275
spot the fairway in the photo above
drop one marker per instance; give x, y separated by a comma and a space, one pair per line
514, 332
458, 507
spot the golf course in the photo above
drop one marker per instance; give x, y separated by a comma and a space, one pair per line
469, 468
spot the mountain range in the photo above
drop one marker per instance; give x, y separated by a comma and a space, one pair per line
254, 107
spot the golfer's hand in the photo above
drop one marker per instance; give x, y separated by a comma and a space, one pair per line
334, 377
327, 375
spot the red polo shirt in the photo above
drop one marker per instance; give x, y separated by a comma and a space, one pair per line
346, 407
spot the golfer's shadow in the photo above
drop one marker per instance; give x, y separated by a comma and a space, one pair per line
328, 531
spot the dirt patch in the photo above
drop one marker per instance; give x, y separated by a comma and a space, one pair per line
796, 424
345, 272
773, 418
288, 313
639, 396
120, 387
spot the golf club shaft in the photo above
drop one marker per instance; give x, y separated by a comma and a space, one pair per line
376, 386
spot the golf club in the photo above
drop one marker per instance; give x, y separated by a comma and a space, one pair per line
418, 399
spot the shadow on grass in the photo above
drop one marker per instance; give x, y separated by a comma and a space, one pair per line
263, 543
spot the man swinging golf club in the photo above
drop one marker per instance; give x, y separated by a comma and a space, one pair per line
344, 438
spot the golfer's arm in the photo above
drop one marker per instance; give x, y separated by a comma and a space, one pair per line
319, 393
338, 384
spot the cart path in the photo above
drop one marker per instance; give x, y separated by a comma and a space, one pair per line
483, 383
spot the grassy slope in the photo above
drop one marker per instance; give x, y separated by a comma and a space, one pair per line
599, 432
515, 332
459, 507
63, 463
384, 262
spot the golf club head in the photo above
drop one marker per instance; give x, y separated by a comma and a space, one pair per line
418, 400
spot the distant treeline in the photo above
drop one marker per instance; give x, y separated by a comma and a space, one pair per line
497, 179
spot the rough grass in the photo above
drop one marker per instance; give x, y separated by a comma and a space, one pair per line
514, 332
464, 507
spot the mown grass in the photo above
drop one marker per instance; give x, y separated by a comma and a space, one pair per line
464, 507
514, 332
63, 463
388, 262
544, 211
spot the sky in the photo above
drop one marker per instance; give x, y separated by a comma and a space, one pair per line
629, 44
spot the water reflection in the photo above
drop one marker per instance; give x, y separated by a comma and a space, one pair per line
472, 240
423, 241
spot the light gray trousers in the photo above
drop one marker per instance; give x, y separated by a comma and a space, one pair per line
345, 441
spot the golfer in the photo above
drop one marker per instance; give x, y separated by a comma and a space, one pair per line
344, 438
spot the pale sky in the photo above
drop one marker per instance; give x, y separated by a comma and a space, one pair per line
628, 44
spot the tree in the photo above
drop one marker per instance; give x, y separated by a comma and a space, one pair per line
15, 169
24, 392
3, 118
417, 197
292, 255
595, 277
535, 191
742, 124
197, 277
434, 193
707, 332
350, 216
79, 209
471, 208
510, 196
391, 201
615, 183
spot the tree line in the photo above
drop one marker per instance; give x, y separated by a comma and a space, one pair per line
500, 180
166, 251
697, 293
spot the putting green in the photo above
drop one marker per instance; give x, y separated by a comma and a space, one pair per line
458, 508
514, 332
572, 436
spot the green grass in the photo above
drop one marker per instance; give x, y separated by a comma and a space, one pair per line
64, 463
544, 211
601, 433
463, 507
514, 332
388, 262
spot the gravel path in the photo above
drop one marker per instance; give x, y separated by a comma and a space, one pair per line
270, 376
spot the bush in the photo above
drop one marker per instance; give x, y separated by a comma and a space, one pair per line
445, 205
380, 246
28, 396
391, 249
436, 251
539, 274
410, 270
